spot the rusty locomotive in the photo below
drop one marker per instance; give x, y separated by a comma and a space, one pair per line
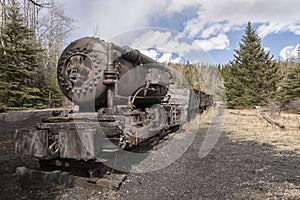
124, 100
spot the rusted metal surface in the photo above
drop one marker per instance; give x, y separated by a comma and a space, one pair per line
124, 100
89, 69
78, 144
31, 142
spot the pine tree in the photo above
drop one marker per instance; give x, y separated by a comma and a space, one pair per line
290, 89
20, 79
251, 78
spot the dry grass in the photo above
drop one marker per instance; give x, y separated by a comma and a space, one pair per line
248, 125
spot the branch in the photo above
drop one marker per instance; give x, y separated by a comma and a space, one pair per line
242, 114
37, 4
271, 121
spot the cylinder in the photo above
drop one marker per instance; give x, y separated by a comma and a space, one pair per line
85, 69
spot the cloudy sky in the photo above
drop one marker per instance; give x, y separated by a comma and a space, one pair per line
189, 27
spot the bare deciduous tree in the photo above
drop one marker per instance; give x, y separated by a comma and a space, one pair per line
3, 4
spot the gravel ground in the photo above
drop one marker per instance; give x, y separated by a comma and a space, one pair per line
235, 169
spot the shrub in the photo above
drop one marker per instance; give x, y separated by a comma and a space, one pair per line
2, 107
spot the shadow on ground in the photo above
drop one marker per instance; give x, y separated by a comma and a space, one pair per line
232, 170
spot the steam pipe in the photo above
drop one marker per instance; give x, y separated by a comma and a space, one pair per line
109, 76
135, 56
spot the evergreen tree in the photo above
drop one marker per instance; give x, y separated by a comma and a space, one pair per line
290, 89
251, 78
20, 78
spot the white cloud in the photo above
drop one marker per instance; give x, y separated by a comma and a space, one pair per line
289, 52
152, 53
268, 28
115, 16
219, 42
210, 21
214, 29
176, 6
164, 40
172, 42
162, 56
276, 27
153, 39
273, 15
111, 17
166, 57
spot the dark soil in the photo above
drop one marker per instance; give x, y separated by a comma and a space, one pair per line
232, 170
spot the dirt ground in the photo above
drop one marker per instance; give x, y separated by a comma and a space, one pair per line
251, 160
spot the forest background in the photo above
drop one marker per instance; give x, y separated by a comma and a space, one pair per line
33, 35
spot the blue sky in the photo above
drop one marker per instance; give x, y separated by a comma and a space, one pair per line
197, 30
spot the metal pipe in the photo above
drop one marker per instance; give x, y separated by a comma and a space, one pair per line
110, 103
135, 56
110, 66
117, 47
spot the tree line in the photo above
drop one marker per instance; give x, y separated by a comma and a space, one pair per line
32, 36
253, 78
